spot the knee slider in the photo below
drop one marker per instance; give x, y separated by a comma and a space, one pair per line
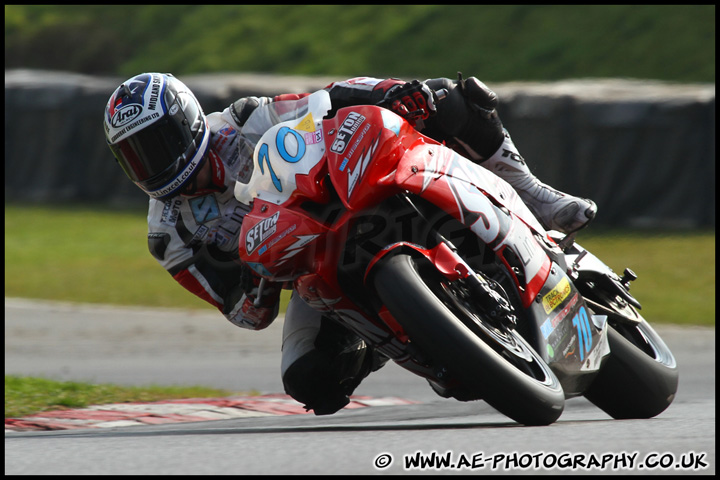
313, 381
325, 377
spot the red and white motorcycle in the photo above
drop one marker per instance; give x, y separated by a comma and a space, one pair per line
438, 264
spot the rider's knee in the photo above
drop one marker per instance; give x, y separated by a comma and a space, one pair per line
319, 382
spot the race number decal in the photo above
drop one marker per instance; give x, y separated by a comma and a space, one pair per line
582, 323
290, 147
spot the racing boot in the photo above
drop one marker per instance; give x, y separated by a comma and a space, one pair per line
554, 209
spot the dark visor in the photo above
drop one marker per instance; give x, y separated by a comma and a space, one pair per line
154, 149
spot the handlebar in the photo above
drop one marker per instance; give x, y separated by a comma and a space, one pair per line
441, 94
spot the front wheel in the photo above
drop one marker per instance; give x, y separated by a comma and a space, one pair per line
495, 361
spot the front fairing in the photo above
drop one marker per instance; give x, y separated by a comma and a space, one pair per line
288, 166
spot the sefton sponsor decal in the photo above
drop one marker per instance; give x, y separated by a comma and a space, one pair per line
556, 296
261, 232
346, 131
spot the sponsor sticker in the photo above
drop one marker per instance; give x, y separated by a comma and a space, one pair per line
261, 232
171, 212
307, 124
550, 323
346, 131
312, 138
126, 114
556, 296
131, 126
204, 208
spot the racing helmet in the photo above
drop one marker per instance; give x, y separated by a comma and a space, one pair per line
157, 131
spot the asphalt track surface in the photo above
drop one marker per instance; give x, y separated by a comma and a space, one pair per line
433, 435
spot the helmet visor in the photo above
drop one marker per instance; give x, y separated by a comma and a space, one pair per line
149, 152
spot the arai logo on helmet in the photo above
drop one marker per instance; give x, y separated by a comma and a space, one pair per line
126, 114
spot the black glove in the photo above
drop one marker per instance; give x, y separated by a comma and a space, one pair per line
477, 94
413, 101
467, 114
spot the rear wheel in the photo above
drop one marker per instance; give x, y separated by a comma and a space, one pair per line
487, 358
639, 378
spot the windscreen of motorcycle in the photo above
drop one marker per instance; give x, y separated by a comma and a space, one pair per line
288, 141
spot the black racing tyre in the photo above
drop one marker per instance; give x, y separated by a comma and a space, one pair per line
497, 362
639, 378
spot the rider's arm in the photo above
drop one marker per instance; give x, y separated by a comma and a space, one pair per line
414, 101
360, 91
467, 113
354, 91
235, 303
209, 275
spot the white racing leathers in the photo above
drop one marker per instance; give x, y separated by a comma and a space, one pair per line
195, 238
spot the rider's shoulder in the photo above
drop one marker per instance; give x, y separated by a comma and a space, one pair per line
163, 214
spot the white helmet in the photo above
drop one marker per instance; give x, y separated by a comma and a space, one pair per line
157, 131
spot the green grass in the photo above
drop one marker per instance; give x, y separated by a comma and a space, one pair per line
28, 395
101, 256
86, 255
497, 43
676, 271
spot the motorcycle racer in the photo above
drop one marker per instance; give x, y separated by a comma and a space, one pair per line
188, 163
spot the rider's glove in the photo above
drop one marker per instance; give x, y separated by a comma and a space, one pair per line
414, 101
477, 94
250, 284
256, 308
